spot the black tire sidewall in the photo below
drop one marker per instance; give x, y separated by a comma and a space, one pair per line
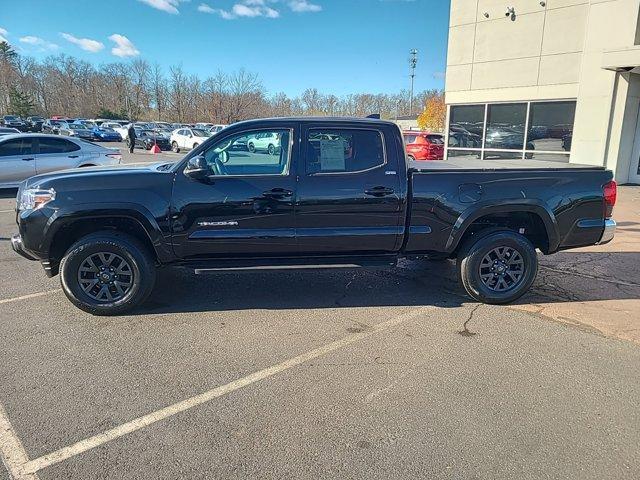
472, 254
128, 248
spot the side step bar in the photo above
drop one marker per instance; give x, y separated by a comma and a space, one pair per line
275, 264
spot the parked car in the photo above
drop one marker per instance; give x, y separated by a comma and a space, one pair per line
344, 197
34, 123
424, 145
52, 126
8, 130
264, 142
75, 130
216, 128
105, 134
147, 138
14, 121
187, 138
122, 130
25, 155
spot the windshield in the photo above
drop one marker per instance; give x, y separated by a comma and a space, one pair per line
11, 117
76, 127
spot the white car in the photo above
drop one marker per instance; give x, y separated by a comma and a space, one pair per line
264, 142
187, 138
216, 128
118, 127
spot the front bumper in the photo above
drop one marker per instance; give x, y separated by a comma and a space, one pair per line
609, 231
18, 247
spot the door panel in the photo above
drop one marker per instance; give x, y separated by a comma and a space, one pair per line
349, 193
17, 161
57, 154
246, 208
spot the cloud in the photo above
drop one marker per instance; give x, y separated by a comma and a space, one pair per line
204, 8
39, 42
169, 6
124, 47
3, 35
87, 44
244, 9
302, 6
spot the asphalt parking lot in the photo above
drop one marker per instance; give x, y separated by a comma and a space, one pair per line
365, 374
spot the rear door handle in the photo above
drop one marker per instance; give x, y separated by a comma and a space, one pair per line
73, 156
278, 193
28, 159
379, 191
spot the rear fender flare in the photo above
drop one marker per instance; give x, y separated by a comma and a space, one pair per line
479, 210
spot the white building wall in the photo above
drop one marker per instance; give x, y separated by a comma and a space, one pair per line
550, 50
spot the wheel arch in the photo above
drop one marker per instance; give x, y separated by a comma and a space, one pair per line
539, 222
64, 230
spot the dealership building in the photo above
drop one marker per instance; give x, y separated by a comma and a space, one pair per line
552, 80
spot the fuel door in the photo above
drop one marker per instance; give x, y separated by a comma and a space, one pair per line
469, 192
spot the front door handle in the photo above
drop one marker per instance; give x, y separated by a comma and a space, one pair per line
379, 191
74, 156
278, 193
28, 159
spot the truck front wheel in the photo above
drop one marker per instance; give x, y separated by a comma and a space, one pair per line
498, 267
107, 273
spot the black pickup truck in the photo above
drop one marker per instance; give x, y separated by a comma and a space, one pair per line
305, 193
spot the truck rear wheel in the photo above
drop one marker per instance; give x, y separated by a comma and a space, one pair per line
498, 267
107, 273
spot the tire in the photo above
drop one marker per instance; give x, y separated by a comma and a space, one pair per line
411, 158
135, 278
195, 145
251, 147
271, 149
490, 279
174, 147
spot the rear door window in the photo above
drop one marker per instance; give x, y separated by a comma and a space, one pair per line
15, 147
343, 150
57, 145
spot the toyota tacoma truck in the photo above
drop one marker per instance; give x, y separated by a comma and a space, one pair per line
331, 193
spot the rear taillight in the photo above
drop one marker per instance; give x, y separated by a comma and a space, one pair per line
610, 194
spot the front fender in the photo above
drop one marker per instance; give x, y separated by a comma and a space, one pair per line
69, 214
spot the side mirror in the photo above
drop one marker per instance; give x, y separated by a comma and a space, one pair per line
224, 156
197, 168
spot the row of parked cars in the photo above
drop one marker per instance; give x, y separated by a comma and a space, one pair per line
186, 136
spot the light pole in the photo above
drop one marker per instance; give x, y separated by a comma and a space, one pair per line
413, 61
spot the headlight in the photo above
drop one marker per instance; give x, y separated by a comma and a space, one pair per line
34, 198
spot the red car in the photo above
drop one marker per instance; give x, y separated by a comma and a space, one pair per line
424, 145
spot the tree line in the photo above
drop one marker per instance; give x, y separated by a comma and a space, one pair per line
140, 90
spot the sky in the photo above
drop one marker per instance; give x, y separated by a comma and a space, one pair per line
336, 46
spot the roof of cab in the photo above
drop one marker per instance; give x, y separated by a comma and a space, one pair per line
369, 121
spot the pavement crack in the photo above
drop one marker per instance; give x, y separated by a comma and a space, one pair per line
465, 332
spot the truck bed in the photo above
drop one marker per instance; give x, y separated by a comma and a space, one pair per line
499, 164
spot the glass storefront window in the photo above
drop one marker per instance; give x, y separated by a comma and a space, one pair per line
466, 124
505, 126
546, 133
551, 126
465, 154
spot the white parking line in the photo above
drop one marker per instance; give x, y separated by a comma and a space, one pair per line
31, 295
171, 410
13, 454
8, 211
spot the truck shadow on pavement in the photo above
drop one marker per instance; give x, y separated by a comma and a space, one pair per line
564, 277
